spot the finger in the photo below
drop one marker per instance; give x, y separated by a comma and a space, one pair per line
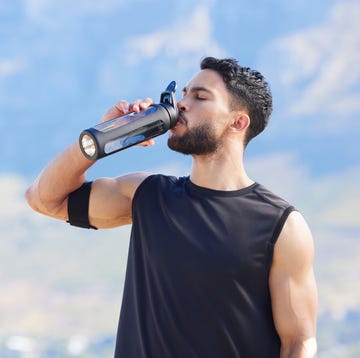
147, 143
135, 107
141, 104
117, 110
122, 106
147, 102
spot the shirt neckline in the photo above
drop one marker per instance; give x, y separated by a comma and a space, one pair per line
214, 192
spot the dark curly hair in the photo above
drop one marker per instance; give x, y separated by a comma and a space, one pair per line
248, 88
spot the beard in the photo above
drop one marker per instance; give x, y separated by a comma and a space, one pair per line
199, 140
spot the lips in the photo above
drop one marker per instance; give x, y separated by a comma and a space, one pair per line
181, 119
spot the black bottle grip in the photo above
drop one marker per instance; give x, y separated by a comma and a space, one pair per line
122, 132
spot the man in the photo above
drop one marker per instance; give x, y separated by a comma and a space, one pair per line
218, 265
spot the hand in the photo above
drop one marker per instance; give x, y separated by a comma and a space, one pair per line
123, 107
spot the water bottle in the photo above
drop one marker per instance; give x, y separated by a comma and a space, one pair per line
122, 132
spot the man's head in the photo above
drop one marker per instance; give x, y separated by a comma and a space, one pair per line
248, 89
222, 99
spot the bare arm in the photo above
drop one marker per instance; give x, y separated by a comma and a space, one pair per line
293, 289
64, 174
110, 199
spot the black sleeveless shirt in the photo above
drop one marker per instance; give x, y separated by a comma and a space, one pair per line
197, 275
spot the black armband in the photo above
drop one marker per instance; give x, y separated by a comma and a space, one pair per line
78, 207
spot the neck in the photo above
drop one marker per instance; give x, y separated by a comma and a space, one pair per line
219, 171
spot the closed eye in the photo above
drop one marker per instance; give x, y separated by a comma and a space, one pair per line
199, 98
198, 92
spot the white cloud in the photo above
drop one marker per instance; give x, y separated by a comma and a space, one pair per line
10, 67
12, 189
323, 62
189, 36
329, 202
49, 13
267, 169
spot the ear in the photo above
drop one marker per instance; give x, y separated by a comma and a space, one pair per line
240, 122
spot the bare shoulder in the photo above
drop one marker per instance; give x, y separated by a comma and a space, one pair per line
111, 199
129, 183
293, 288
294, 249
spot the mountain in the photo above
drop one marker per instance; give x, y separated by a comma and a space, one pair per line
62, 64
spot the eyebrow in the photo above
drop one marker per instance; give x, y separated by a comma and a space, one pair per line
197, 89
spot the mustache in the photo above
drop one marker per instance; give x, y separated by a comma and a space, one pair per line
182, 117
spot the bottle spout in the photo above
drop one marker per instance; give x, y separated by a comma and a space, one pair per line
168, 96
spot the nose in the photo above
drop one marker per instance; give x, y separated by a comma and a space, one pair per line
182, 106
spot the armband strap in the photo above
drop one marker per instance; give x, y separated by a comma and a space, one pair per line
78, 207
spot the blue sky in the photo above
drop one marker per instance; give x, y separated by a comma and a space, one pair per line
63, 63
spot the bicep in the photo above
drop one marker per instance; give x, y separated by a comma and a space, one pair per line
292, 282
110, 202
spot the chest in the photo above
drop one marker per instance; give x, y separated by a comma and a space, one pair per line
217, 236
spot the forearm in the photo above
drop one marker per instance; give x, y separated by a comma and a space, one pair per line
302, 349
64, 174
